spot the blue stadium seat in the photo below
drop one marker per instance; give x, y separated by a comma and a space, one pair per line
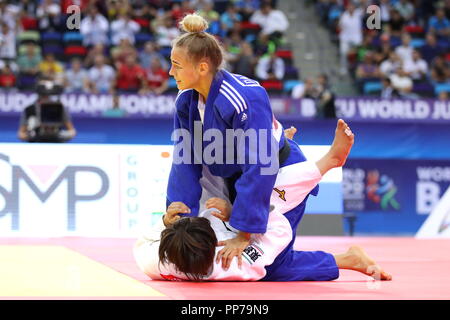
51, 36
73, 37
417, 43
289, 85
372, 87
438, 88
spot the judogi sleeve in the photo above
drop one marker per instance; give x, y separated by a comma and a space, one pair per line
261, 252
259, 170
146, 249
184, 178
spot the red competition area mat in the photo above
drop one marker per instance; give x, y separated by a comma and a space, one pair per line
420, 269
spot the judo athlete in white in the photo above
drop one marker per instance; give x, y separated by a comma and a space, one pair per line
188, 248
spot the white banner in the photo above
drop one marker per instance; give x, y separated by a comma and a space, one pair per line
437, 224
52, 190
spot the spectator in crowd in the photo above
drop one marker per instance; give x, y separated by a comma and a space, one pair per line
247, 7
389, 66
157, 78
405, 9
396, 25
431, 49
95, 50
416, 68
124, 28
149, 54
166, 32
385, 12
8, 14
115, 111
440, 71
273, 22
366, 46
7, 42
213, 18
325, 98
305, 90
117, 7
270, 67
101, 76
130, 77
120, 53
27, 8
230, 17
7, 77
94, 28
367, 70
49, 15
28, 62
439, 25
404, 51
51, 69
443, 96
402, 82
383, 52
388, 90
350, 25
76, 78
179, 10
245, 61
146, 12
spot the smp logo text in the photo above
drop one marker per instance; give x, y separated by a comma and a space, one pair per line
11, 198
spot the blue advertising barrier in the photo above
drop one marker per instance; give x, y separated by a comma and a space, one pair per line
392, 196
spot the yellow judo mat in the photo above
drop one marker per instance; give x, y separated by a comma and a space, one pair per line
56, 271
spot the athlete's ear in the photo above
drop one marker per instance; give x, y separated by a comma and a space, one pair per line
203, 68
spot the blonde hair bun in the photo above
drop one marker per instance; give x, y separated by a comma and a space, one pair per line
193, 23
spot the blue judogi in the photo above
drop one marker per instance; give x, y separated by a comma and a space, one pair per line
236, 102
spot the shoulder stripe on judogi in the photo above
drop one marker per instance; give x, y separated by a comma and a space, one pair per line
230, 99
237, 94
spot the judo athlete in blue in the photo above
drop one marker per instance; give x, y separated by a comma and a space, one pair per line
212, 103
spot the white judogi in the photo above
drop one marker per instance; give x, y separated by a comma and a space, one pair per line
293, 184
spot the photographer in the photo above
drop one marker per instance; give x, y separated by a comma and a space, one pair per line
46, 120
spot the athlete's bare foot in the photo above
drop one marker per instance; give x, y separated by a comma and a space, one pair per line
290, 132
340, 149
357, 259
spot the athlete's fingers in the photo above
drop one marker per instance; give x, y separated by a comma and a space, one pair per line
240, 260
218, 215
219, 255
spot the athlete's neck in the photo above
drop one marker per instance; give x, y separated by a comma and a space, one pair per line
204, 86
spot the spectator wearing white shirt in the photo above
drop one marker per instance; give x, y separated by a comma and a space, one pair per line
122, 28
8, 14
405, 8
101, 76
273, 22
270, 67
350, 24
405, 50
402, 82
416, 68
76, 78
389, 66
166, 32
7, 42
94, 28
49, 16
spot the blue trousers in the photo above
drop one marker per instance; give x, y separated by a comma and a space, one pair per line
291, 265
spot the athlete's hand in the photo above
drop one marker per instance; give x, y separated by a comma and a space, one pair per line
173, 211
290, 132
222, 205
233, 248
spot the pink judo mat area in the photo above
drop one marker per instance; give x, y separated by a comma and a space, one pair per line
74, 268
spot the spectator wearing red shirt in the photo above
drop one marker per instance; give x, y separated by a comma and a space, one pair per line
130, 76
157, 78
7, 77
